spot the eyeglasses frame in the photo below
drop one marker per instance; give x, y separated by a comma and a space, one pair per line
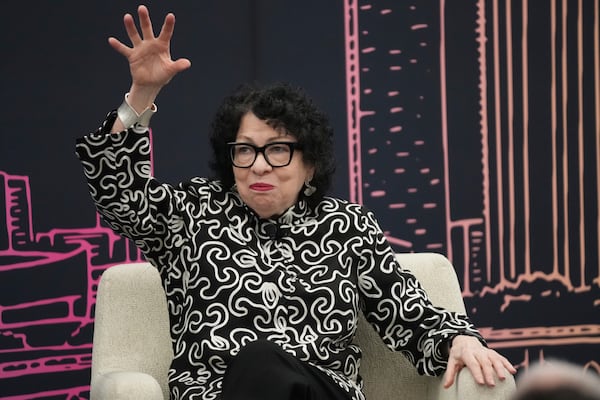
292, 146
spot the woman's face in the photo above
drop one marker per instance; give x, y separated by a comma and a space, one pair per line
267, 190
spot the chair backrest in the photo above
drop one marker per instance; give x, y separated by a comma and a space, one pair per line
389, 375
131, 330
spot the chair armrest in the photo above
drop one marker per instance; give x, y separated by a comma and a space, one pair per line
131, 328
125, 385
465, 387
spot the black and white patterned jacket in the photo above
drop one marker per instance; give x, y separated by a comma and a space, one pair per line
231, 277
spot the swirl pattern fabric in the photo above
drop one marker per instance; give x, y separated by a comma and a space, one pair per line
230, 277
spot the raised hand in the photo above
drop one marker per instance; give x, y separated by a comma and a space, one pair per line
149, 58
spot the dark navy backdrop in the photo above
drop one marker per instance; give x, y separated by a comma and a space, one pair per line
59, 77
450, 123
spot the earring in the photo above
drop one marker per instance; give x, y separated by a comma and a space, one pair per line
309, 189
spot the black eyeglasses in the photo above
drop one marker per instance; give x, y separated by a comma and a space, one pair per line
276, 154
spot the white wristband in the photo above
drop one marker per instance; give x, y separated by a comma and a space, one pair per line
129, 117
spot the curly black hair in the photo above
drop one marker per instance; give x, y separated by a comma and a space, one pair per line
283, 107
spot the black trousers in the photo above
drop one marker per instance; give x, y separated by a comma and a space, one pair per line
264, 371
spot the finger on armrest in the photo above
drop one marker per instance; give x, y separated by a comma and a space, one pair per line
465, 387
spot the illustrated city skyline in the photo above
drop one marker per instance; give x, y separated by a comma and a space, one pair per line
459, 149
471, 170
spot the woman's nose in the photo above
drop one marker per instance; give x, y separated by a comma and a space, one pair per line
261, 165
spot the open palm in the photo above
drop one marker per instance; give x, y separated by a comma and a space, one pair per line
149, 57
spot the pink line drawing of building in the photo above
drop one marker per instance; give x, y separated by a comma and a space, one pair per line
452, 173
48, 283
490, 167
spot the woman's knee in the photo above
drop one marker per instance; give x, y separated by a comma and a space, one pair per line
263, 370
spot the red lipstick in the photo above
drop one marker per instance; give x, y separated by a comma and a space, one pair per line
261, 187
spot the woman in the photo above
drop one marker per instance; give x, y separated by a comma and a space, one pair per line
264, 274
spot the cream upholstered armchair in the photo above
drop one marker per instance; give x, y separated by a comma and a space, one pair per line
132, 347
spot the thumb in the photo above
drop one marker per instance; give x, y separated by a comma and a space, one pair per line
182, 64
119, 47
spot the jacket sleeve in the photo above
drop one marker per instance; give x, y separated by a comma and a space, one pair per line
156, 217
399, 309
117, 167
